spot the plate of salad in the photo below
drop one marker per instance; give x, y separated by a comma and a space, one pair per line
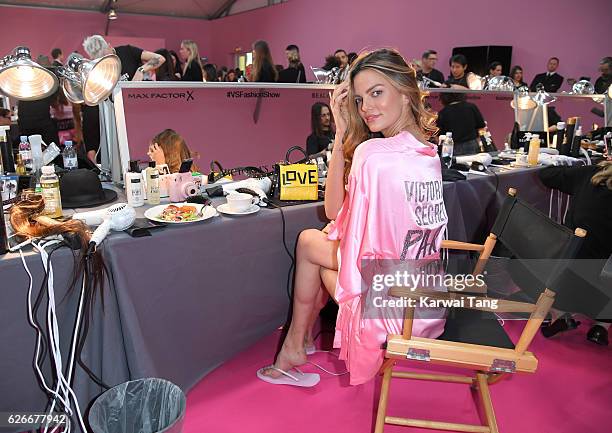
180, 213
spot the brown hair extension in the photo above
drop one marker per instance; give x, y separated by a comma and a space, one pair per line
604, 175
402, 76
26, 219
175, 149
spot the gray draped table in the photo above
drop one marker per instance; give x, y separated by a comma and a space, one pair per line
188, 298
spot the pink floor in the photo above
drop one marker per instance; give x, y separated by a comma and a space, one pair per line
570, 393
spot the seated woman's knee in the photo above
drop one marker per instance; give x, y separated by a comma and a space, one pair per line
308, 238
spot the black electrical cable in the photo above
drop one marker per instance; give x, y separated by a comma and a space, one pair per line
292, 266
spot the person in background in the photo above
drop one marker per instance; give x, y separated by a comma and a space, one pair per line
551, 81
166, 71
463, 119
222, 73
231, 76
57, 56
342, 58
210, 73
352, 56
135, 62
294, 72
5, 117
168, 147
458, 69
603, 83
132, 68
428, 63
322, 129
263, 70
192, 66
176, 64
590, 208
331, 62
495, 69
516, 73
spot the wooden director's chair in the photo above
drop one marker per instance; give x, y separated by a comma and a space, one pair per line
475, 340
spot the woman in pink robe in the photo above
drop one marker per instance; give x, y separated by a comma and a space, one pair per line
385, 195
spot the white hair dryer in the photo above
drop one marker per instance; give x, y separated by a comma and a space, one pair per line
117, 217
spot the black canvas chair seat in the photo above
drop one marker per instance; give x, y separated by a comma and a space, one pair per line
475, 327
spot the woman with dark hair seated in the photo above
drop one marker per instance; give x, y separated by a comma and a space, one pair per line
323, 133
516, 73
463, 119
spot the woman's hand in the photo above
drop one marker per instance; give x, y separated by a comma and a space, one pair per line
156, 154
339, 109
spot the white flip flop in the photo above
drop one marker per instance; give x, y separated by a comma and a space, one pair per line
310, 349
306, 380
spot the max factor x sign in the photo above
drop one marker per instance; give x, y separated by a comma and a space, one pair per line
186, 95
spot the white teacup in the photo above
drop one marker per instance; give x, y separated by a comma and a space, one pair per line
240, 202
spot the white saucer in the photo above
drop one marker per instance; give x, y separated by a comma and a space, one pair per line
225, 209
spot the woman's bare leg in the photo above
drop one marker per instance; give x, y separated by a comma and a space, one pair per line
320, 302
314, 251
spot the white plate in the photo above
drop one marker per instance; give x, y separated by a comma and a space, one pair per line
154, 213
225, 209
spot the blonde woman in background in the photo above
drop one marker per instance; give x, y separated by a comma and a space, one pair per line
168, 147
294, 73
192, 66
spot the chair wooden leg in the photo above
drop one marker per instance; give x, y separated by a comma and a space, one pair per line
390, 362
384, 396
485, 398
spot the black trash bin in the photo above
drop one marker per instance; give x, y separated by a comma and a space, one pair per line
140, 406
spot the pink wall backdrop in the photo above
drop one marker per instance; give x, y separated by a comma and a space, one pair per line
536, 30
44, 29
575, 32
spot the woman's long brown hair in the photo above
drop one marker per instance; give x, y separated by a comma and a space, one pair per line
402, 76
263, 56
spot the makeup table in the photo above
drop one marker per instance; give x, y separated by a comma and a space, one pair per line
188, 298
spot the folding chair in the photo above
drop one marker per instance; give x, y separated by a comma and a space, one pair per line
472, 339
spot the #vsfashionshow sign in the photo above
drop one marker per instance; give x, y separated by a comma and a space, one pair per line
237, 124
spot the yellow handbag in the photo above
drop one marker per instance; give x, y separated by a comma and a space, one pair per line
298, 181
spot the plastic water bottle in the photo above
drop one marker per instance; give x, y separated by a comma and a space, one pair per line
25, 151
447, 150
70, 156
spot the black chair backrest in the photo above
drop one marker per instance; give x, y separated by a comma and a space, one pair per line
541, 245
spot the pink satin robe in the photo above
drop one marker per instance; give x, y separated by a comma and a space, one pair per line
390, 183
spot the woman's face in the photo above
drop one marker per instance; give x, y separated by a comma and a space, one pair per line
379, 104
325, 117
518, 76
231, 76
457, 70
496, 71
184, 53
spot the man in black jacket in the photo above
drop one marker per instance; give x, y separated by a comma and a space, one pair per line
429, 59
550, 79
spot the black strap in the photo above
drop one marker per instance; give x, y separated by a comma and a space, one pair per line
291, 149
